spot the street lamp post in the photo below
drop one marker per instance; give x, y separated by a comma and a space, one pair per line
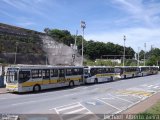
83, 26
46, 59
124, 38
138, 56
144, 54
15, 57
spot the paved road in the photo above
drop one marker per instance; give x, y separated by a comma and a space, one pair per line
80, 102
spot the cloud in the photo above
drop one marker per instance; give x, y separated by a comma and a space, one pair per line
140, 24
36, 7
140, 11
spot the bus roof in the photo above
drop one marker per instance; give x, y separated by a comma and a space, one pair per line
99, 67
126, 66
41, 66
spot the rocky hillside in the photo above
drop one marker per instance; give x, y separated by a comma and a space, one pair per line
32, 47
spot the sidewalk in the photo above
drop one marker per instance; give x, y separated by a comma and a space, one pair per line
144, 105
3, 90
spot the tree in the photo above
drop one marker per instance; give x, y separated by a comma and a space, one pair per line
153, 56
141, 54
47, 30
92, 50
63, 36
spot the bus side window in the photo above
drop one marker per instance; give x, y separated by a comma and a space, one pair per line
61, 73
46, 74
54, 73
36, 73
69, 72
80, 71
121, 71
24, 76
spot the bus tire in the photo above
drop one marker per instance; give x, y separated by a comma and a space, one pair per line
95, 80
36, 88
71, 84
142, 74
111, 79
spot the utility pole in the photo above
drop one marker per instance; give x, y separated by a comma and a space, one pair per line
83, 26
124, 38
46, 60
144, 54
15, 57
138, 56
75, 42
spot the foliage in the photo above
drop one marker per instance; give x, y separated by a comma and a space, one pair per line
92, 50
141, 54
63, 36
99, 62
153, 57
150, 114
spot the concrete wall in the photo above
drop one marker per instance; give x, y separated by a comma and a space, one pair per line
58, 53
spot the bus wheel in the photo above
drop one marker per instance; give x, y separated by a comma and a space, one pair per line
36, 88
142, 74
111, 79
71, 84
96, 81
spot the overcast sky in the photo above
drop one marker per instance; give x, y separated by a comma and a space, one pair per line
106, 20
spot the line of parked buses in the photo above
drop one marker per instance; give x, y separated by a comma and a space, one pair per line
25, 78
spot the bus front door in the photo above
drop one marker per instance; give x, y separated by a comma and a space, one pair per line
61, 81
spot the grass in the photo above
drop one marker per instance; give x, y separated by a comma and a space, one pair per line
152, 113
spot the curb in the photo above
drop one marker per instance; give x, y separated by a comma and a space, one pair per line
3, 93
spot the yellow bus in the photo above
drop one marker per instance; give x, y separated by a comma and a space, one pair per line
36, 77
127, 71
144, 70
154, 70
97, 74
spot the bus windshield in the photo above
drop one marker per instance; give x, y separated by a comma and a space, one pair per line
12, 76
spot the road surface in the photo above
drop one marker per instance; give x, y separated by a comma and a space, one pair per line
83, 102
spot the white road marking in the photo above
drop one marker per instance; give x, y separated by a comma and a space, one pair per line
156, 87
65, 108
121, 99
95, 117
123, 95
149, 86
28, 102
108, 104
91, 103
75, 111
104, 98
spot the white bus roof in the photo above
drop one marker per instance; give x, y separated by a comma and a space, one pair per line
41, 66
